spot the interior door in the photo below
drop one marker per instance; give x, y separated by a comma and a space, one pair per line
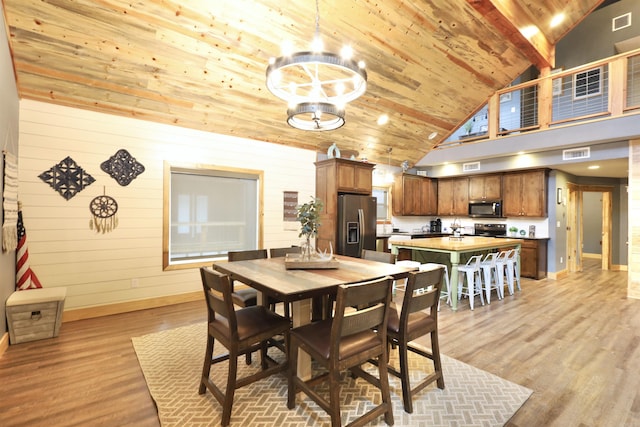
575, 227
574, 241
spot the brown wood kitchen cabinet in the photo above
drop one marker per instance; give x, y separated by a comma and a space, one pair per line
333, 177
533, 259
485, 187
525, 194
414, 195
453, 196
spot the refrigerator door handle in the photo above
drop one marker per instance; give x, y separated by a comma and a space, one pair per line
361, 225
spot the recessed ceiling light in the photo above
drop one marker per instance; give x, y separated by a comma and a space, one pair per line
432, 135
530, 31
557, 20
383, 119
594, 167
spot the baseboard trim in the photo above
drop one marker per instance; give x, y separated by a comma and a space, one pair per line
557, 275
126, 307
619, 267
4, 343
591, 256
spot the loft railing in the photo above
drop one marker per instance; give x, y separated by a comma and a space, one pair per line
605, 88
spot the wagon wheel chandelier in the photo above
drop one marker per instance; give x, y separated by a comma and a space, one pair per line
316, 84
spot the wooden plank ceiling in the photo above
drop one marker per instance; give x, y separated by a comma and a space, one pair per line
201, 63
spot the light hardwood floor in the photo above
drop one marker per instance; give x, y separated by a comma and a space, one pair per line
575, 342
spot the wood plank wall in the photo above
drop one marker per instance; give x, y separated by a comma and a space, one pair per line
98, 269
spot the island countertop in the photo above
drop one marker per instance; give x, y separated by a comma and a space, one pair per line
463, 244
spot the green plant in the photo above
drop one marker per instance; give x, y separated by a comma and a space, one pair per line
513, 229
309, 217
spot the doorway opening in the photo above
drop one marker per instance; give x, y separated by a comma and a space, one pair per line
579, 218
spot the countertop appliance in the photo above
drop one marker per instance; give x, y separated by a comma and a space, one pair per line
356, 224
490, 230
436, 226
485, 209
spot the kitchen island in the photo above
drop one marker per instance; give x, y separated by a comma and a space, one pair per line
455, 247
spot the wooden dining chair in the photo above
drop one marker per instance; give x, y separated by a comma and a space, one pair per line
240, 331
346, 341
372, 255
245, 297
418, 317
280, 252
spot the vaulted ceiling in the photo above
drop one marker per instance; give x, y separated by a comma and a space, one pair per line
201, 63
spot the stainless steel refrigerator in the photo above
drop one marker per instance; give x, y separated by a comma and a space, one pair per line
356, 224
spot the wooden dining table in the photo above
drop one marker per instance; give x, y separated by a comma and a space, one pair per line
271, 278
455, 247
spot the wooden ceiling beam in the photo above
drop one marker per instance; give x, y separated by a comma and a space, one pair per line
509, 18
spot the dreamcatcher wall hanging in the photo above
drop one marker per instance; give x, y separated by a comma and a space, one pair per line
103, 213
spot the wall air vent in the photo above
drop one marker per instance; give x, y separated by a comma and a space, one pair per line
576, 153
620, 22
471, 167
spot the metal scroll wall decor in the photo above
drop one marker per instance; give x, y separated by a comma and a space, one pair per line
103, 214
122, 167
67, 178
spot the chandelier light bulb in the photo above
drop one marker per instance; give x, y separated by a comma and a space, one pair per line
346, 52
276, 76
287, 48
361, 64
317, 46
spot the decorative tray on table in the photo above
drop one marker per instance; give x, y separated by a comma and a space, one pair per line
315, 262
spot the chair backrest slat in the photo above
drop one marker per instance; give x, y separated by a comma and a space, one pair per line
375, 295
422, 292
361, 320
280, 252
245, 255
372, 255
217, 292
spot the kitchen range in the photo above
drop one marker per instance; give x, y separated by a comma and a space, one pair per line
490, 230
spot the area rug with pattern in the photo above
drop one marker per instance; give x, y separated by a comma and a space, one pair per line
171, 362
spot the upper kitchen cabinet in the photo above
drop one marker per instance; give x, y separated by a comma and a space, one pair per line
414, 195
525, 194
333, 177
453, 196
485, 187
353, 177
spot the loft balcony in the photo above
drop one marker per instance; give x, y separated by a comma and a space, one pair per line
601, 90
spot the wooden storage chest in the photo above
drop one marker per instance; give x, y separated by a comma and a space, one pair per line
35, 314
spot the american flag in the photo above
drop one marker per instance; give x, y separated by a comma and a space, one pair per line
25, 277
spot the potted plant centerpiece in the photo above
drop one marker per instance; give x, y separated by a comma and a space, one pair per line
513, 230
309, 218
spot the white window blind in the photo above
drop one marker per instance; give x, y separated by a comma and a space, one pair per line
211, 213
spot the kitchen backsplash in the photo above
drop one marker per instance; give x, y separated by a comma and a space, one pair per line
409, 223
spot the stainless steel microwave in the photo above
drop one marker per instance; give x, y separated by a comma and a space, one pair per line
485, 208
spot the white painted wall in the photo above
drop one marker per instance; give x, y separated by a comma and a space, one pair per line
97, 269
